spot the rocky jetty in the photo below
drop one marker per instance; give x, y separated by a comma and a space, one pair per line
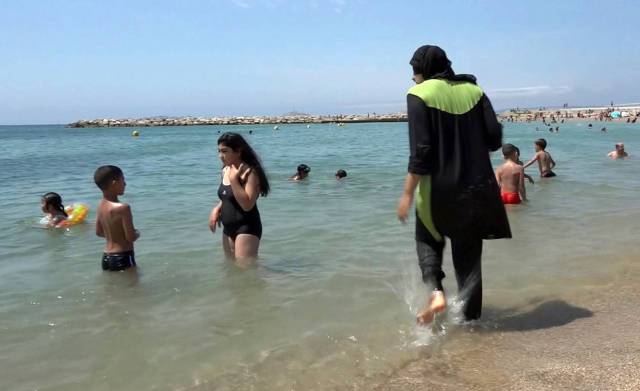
250, 120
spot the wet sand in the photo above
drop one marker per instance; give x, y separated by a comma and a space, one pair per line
588, 339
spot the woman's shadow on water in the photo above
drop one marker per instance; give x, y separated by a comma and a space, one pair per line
552, 313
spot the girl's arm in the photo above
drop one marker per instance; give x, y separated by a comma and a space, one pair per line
51, 223
215, 216
57, 219
247, 195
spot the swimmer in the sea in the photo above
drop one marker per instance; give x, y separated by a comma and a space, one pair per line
51, 204
510, 177
619, 153
603, 130
341, 174
301, 173
544, 159
114, 221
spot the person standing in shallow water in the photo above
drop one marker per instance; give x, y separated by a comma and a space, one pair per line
452, 129
243, 181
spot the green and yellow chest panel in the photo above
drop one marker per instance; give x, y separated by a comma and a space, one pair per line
451, 97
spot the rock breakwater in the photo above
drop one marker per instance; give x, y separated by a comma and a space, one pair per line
239, 120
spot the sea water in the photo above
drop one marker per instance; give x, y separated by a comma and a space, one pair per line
332, 300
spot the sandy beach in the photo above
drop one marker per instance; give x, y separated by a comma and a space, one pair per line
584, 340
557, 115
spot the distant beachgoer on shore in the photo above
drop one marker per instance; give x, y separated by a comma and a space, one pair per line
619, 153
458, 196
544, 159
510, 177
51, 205
243, 181
114, 220
301, 172
341, 174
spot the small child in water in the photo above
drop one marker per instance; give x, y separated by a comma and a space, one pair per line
510, 177
54, 210
114, 221
619, 153
302, 172
544, 159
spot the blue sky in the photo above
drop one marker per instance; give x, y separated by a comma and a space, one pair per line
68, 60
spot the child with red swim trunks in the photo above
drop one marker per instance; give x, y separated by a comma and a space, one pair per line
510, 177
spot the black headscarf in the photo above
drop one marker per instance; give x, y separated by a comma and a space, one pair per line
432, 63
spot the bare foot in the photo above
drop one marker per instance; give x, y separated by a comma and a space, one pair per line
437, 303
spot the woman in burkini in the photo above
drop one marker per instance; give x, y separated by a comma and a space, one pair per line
243, 181
54, 210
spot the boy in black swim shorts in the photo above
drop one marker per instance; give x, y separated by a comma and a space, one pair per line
114, 221
544, 159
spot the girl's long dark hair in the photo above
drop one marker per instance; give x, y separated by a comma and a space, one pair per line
248, 155
54, 200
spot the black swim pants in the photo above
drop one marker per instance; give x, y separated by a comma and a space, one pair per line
118, 261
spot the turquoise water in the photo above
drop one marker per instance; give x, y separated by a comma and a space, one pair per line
332, 301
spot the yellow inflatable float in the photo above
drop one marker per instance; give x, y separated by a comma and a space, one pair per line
77, 214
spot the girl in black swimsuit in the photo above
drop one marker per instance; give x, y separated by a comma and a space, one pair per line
243, 181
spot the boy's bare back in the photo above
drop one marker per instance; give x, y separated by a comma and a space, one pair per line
510, 176
545, 162
115, 223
